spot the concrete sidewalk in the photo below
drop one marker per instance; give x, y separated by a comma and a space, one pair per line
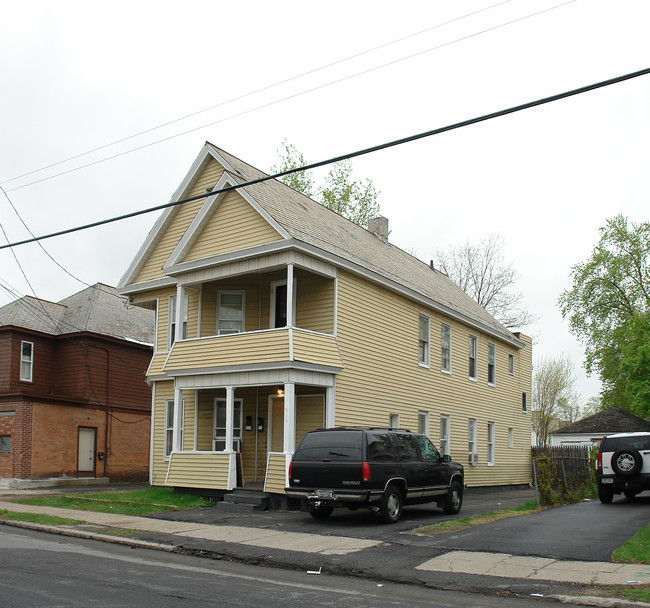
347, 554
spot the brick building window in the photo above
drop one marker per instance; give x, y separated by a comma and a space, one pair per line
26, 361
5, 443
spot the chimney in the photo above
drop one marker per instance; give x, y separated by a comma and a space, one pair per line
379, 227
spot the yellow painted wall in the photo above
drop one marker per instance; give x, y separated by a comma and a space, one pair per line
199, 470
381, 376
163, 391
184, 214
223, 232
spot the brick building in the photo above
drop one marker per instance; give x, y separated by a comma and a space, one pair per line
74, 402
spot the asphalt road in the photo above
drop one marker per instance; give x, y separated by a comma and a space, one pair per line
40, 570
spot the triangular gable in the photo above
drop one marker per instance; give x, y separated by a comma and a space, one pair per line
228, 221
161, 241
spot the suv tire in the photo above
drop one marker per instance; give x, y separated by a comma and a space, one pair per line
627, 462
606, 494
390, 508
454, 500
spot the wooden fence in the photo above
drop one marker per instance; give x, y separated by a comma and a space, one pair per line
566, 469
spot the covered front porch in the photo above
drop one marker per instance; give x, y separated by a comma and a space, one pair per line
223, 437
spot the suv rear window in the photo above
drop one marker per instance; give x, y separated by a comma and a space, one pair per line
611, 444
330, 445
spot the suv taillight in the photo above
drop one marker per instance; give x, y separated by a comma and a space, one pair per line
290, 467
599, 462
365, 471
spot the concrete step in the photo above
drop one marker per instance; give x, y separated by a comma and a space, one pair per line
258, 499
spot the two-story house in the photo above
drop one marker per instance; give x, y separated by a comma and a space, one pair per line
276, 315
74, 402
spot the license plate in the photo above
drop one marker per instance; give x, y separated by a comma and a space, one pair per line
325, 494
607, 480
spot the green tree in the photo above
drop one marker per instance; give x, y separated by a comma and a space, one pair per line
355, 200
608, 308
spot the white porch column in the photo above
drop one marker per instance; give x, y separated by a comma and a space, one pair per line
230, 417
289, 418
290, 320
330, 414
177, 431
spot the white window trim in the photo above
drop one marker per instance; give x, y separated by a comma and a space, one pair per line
29, 361
423, 415
243, 304
471, 441
171, 319
444, 444
524, 403
426, 362
445, 370
166, 445
494, 364
511, 437
511, 365
236, 438
392, 417
490, 444
473, 378
274, 286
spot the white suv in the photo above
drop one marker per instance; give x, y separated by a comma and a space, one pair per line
623, 465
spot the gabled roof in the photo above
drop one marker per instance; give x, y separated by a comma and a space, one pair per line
611, 420
98, 309
304, 221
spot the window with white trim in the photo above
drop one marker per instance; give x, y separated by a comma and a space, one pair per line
171, 330
491, 364
471, 440
26, 361
423, 423
445, 348
445, 427
231, 306
490, 443
524, 402
423, 340
511, 437
393, 421
511, 365
169, 425
473, 347
219, 439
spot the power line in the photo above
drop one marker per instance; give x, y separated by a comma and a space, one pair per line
254, 92
350, 155
293, 96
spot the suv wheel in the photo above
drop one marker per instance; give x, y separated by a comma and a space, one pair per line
606, 494
321, 512
454, 500
390, 508
627, 462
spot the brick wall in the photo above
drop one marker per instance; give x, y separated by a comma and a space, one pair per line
7, 417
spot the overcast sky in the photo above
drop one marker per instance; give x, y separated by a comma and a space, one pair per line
331, 78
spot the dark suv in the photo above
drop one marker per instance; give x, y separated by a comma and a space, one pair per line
374, 468
623, 465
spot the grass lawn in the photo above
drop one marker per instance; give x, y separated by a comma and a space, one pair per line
134, 502
38, 518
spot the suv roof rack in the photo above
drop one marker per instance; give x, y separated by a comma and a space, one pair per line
364, 428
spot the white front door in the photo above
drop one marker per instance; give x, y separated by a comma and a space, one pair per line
86, 453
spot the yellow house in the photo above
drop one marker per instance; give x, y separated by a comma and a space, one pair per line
276, 315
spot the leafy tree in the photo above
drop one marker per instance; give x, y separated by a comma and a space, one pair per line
483, 273
352, 199
608, 308
554, 396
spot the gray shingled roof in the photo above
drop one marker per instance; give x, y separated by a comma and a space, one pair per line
307, 221
98, 309
611, 420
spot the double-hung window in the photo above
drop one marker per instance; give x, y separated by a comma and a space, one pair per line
231, 305
423, 423
444, 435
171, 332
445, 348
490, 443
491, 364
26, 361
471, 441
511, 365
219, 443
169, 426
472, 357
524, 402
423, 340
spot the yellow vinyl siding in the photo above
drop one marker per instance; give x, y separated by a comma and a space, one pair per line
184, 214
234, 225
381, 375
163, 391
315, 303
315, 348
234, 349
156, 365
310, 411
276, 475
249, 284
199, 470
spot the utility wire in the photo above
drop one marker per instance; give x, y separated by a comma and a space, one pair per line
293, 96
255, 92
350, 155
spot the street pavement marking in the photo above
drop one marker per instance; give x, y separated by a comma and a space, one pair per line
505, 565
